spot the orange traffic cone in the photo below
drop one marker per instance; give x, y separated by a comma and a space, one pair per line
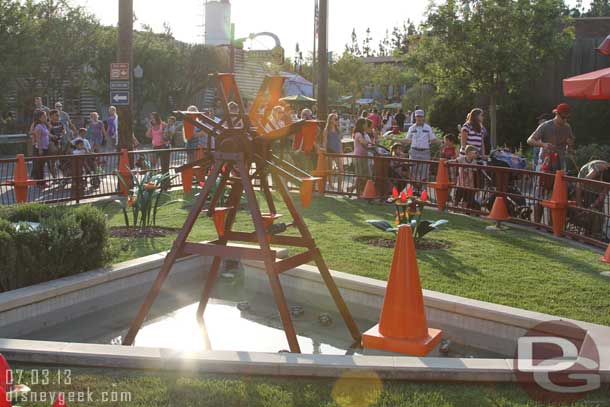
189, 128
310, 132
60, 400
268, 220
499, 211
219, 217
370, 192
321, 171
403, 326
6, 375
606, 257
558, 204
306, 191
20, 179
441, 185
187, 179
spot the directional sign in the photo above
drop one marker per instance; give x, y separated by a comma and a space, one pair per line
275, 55
119, 72
119, 85
119, 98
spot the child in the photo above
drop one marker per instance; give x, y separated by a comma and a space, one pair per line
398, 170
448, 149
466, 181
142, 164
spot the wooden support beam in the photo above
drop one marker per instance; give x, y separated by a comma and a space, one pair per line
294, 261
225, 252
293, 241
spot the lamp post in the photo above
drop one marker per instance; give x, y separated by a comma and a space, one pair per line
138, 74
125, 55
322, 95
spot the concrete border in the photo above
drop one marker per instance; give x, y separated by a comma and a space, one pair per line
361, 293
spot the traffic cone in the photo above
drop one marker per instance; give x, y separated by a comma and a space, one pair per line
370, 192
499, 211
20, 179
60, 400
306, 191
606, 257
321, 171
268, 220
219, 217
189, 128
558, 204
441, 186
310, 132
6, 375
403, 327
125, 173
187, 180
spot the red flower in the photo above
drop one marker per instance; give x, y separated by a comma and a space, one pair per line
403, 197
201, 184
394, 192
424, 195
410, 191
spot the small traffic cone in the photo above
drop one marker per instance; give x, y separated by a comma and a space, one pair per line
441, 185
403, 326
321, 172
125, 173
20, 180
219, 217
306, 191
268, 220
189, 128
370, 192
6, 375
60, 400
606, 257
499, 212
558, 204
187, 180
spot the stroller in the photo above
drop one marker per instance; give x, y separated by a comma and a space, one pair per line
515, 201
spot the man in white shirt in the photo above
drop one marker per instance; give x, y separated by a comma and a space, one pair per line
420, 136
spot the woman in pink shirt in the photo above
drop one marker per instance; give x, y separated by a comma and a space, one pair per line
156, 132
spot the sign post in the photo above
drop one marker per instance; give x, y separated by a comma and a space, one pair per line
121, 73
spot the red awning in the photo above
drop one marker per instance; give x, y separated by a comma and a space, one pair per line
592, 85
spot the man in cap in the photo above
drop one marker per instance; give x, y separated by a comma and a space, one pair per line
554, 137
420, 136
64, 118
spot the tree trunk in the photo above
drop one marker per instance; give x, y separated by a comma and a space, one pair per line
493, 117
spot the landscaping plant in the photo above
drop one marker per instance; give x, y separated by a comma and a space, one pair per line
144, 198
408, 211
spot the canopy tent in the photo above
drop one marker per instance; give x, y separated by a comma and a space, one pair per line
299, 99
592, 85
365, 101
296, 85
393, 106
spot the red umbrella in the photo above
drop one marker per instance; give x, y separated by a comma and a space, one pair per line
592, 85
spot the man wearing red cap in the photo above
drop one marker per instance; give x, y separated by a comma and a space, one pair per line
554, 137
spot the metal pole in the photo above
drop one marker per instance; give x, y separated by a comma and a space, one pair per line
125, 54
314, 73
232, 50
323, 61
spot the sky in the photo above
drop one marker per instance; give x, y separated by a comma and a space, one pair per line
291, 20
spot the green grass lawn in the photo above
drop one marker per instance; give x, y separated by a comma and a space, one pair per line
169, 390
516, 268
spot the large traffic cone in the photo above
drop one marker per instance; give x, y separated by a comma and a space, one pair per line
441, 185
20, 180
558, 204
6, 375
403, 326
606, 257
306, 191
127, 183
499, 211
370, 192
310, 132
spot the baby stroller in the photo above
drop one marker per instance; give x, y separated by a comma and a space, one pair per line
515, 201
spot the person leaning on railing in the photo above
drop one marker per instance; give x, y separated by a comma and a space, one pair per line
466, 180
420, 136
362, 145
592, 196
554, 137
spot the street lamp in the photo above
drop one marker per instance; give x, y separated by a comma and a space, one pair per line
138, 74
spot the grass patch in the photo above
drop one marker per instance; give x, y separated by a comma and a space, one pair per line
516, 268
179, 390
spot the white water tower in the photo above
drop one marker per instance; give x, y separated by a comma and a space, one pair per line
217, 22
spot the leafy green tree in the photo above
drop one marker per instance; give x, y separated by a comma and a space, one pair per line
351, 73
367, 51
598, 8
490, 47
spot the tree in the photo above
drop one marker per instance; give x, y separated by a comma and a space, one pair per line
598, 8
353, 47
351, 74
490, 47
367, 51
